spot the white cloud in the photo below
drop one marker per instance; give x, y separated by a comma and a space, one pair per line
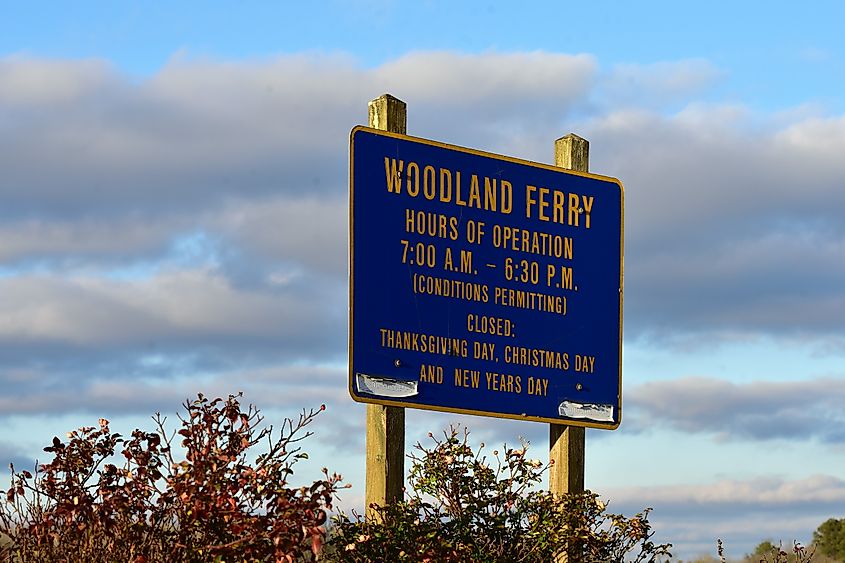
225, 146
188, 307
105, 178
741, 513
729, 227
190, 137
735, 495
497, 82
761, 410
817, 139
309, 231
28, 82
501, 102
34, 239
658, 84
282, 386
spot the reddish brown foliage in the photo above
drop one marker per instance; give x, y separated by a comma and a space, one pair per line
210, 497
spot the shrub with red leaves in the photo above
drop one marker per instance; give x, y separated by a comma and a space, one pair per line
211, 497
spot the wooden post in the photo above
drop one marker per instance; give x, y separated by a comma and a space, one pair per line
388, 114
566, 443
385, 475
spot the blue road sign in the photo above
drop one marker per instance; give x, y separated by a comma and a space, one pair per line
483, 284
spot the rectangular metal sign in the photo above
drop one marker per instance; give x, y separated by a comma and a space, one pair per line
483, 284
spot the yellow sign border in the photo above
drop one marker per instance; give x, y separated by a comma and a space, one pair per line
476, 152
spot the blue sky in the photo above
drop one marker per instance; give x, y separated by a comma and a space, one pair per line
174, 221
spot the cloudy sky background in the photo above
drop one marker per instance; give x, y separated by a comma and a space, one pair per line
174, 220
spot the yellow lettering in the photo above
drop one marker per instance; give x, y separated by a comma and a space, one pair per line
466, 261
393, 173
588, 207
413, 188
429, 181
586, 364
507, 197
467, 378
490, 194
474, 193
543, 204
446, 185
559, 212
431, 374
573, 210
529, 199
503, 382
538, 386
458, 200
